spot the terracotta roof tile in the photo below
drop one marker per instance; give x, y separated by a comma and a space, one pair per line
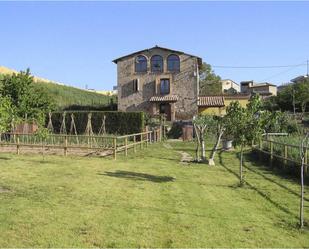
210, 101
166, 98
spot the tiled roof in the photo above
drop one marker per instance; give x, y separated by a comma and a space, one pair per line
210, 101
166, 98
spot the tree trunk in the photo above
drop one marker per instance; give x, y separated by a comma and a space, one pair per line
197, 143
241, 166
215, 148
203, 148
301, 209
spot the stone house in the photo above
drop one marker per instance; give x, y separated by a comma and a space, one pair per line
159, 81
264, 89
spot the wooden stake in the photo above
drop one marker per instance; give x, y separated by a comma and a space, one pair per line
141, 141
126, 146
17, 146
65, 148
271, 151
285, 154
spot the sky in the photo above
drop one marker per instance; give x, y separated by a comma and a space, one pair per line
75, 42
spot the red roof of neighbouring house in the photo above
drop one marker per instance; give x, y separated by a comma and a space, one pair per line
210, 101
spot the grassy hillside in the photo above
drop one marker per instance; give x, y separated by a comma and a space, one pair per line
66, 96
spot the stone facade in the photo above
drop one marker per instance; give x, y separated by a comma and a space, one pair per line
141, 91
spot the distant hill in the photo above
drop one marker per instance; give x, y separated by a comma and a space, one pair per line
67, 96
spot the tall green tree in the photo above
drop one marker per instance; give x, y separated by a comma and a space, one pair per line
301, 90
7, 113
245, 125
210, 83
294, 97
26, 99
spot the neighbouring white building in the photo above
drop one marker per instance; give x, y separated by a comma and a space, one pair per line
230, 86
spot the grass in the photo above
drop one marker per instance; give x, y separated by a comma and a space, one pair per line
66, 96
146, 200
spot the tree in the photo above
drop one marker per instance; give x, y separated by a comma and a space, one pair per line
303, 145
201, 125
245, 125
220, 129
210, 83
26, 99
294, 97
302, 94
6, 114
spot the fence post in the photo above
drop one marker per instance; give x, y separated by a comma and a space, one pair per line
141, 141
271, 152
126, 146
306, 161
154, 136
285, 154
150, 137
115, 148
134, 143
17, 145
147, 139
65, 148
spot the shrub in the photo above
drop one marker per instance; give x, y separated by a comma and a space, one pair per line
175, 131
115, 123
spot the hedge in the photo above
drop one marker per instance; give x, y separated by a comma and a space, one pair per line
115, 123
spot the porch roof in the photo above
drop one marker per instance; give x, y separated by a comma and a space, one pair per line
166, 98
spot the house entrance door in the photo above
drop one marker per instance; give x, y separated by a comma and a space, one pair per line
165, 108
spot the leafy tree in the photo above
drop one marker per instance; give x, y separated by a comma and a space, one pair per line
6, 114
302, 94
210, 83
27, 99
294, 97
202, 123
245, 125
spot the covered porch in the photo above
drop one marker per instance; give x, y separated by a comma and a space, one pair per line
164, 105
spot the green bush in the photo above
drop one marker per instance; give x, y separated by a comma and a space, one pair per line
176, 131
115, 122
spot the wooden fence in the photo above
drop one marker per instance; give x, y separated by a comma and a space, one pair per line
114, 144
285, 152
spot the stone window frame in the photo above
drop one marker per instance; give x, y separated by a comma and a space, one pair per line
172, 71
169, 86
162, 68
147, 59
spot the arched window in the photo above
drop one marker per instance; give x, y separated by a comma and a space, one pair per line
140, 64
173, 63
156, 63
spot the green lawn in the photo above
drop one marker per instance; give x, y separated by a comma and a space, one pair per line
146, 200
